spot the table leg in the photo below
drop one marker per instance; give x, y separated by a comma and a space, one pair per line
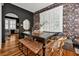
43, 50
43, 47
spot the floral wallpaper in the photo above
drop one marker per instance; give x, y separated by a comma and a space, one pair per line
71, 19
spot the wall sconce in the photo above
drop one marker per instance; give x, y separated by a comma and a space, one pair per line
21, 24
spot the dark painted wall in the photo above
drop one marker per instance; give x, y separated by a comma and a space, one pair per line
21, 13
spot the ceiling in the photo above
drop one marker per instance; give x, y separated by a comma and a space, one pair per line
33, 7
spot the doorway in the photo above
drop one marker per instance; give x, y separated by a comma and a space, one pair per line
11, 25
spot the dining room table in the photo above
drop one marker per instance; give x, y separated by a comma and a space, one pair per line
40, 37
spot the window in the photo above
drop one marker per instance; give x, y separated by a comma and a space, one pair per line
10, 24
6, 24
52, 20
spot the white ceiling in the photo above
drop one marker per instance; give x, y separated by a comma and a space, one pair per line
33, 7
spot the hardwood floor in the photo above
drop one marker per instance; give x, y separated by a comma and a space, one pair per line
11, 48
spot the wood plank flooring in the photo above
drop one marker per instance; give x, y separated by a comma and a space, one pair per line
11, 48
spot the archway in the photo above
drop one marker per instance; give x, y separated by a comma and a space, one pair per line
11, 24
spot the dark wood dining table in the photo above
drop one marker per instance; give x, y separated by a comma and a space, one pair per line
40, 37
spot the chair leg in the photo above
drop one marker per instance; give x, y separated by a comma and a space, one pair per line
61, 52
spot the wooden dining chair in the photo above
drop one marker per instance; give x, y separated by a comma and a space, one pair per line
55, 47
